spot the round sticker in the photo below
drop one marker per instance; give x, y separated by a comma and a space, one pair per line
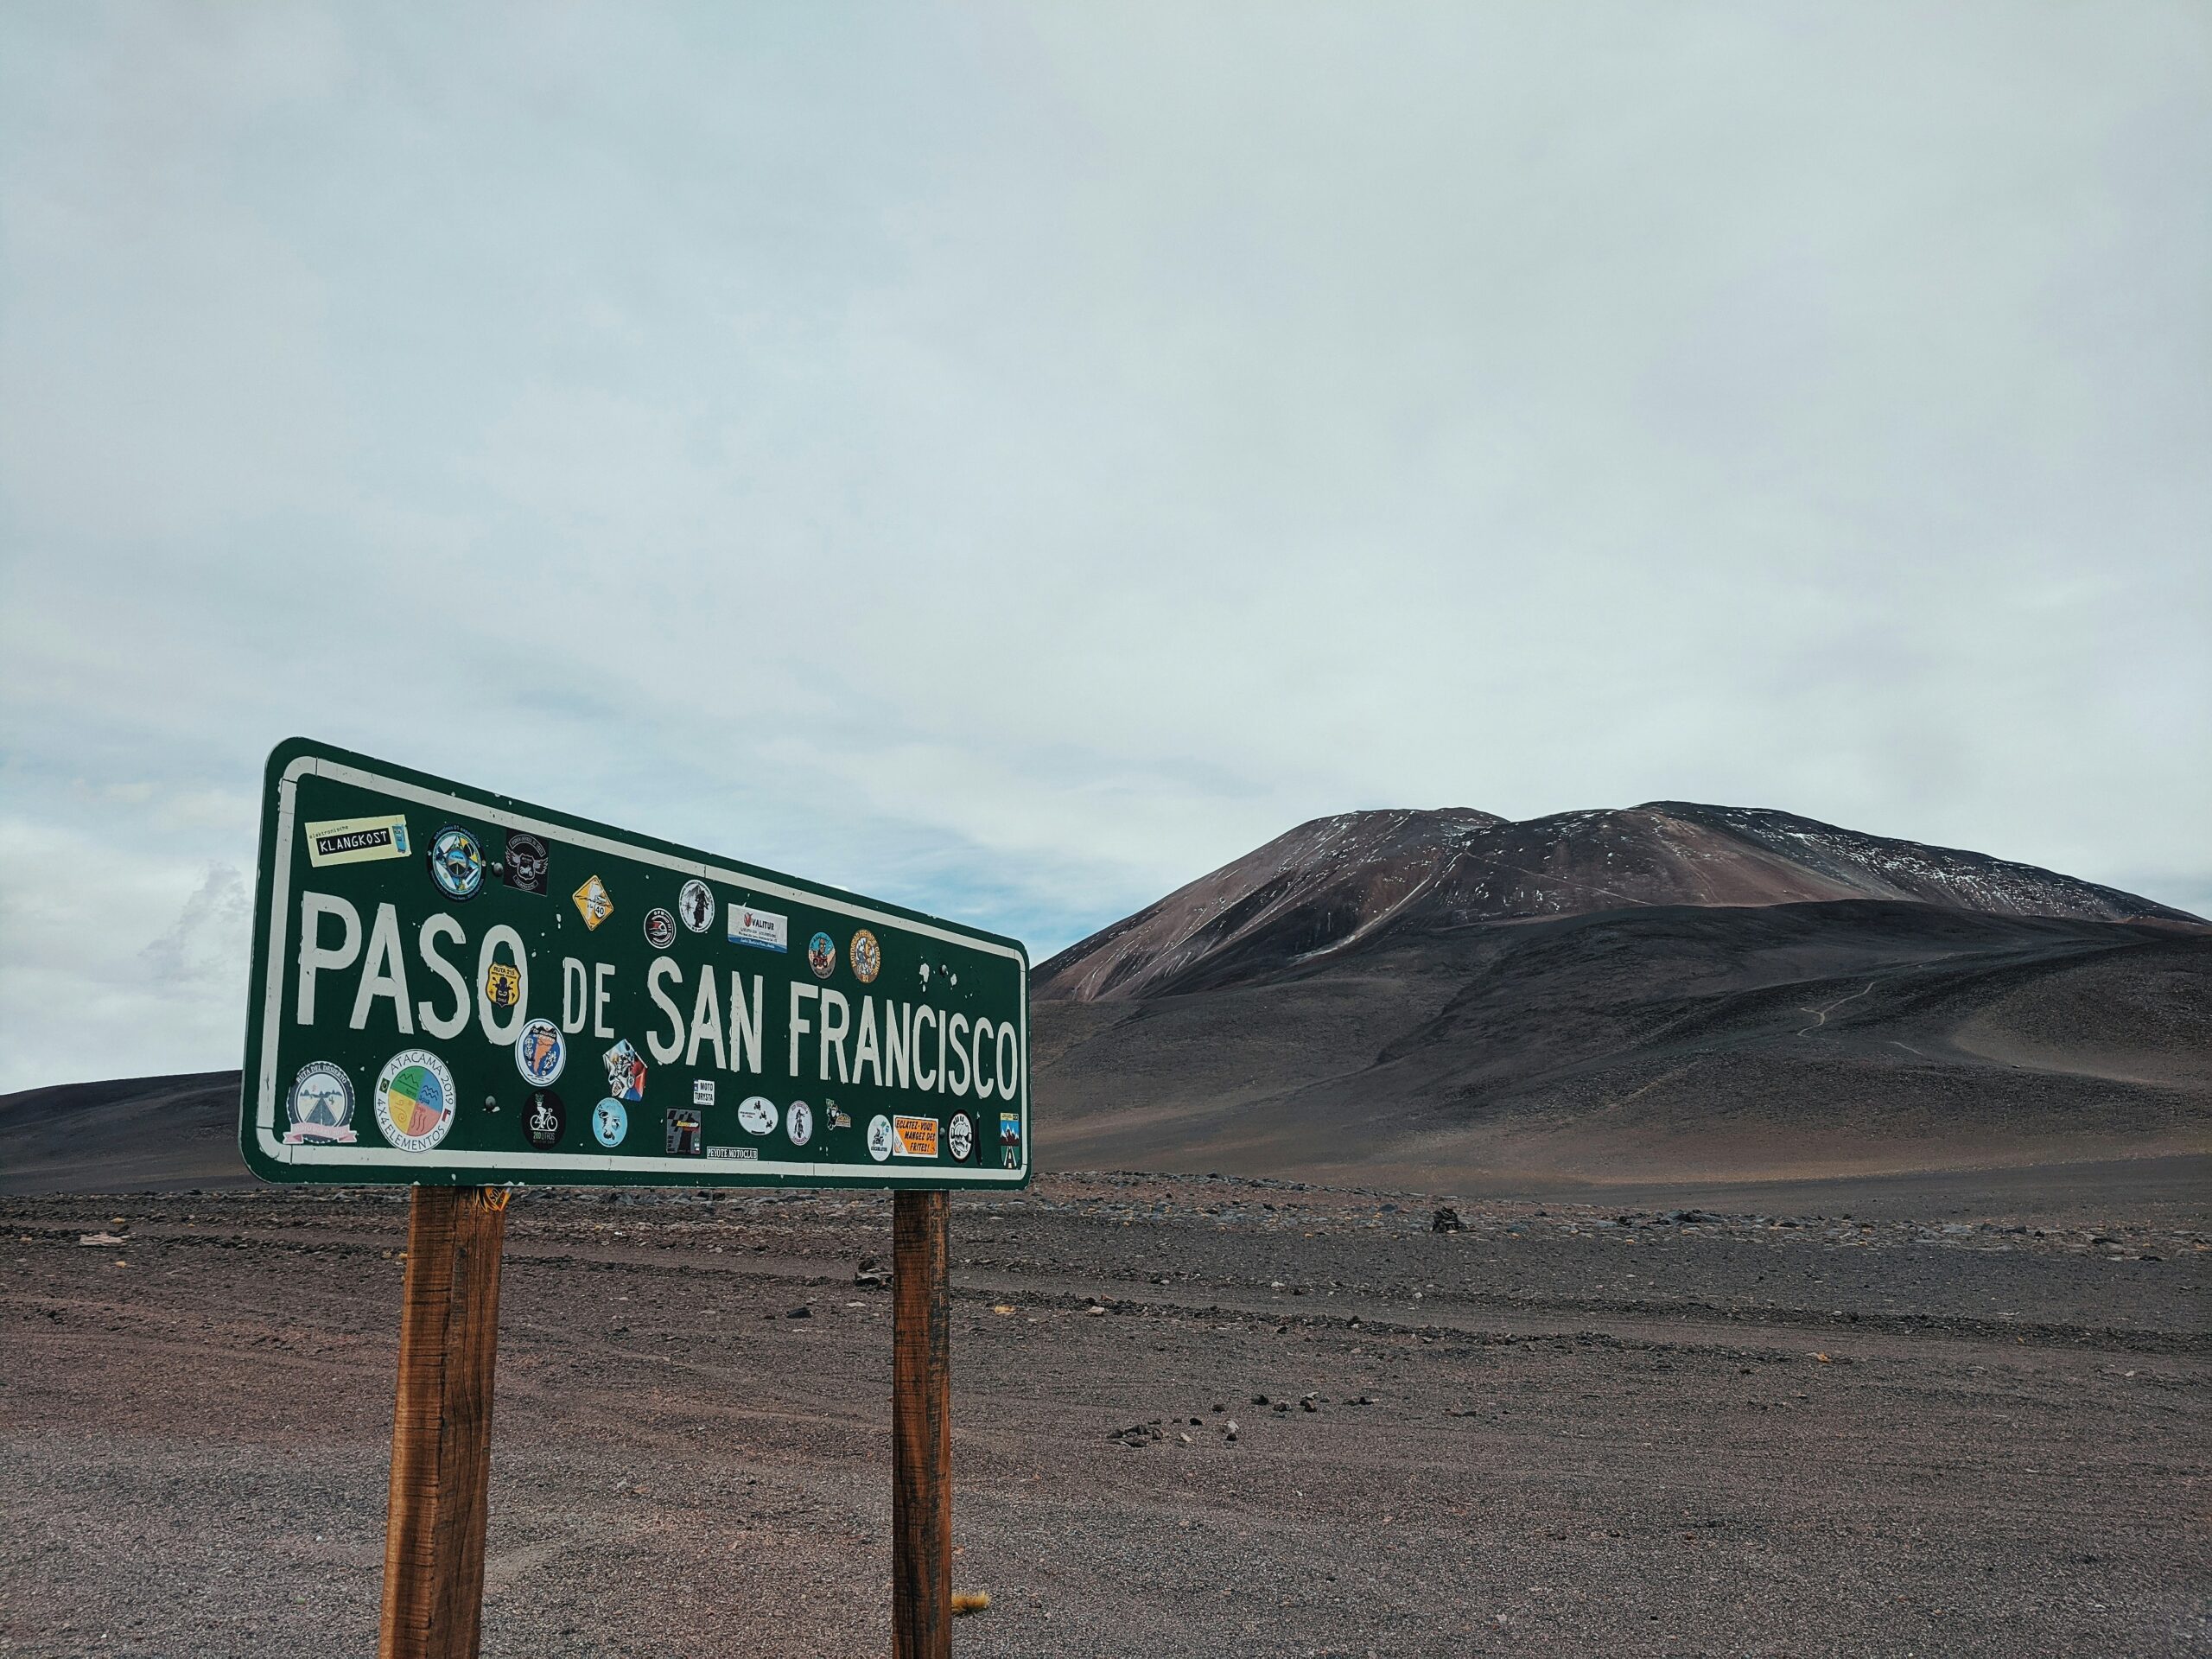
878, 1138
867, 957
320, 1106
415, 1100
695, 905
822, 954
799, 1123
757, 1115
960, 1136
660, 928
545, 1119
456, 862
610, 1121
540, 1053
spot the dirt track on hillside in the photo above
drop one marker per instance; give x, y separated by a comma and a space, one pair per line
1540, 1436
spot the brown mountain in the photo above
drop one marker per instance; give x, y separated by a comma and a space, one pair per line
1449, 997
1328, 884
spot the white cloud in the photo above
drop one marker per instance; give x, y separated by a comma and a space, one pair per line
1014, 460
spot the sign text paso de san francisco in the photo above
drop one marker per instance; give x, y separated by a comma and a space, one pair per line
452, 987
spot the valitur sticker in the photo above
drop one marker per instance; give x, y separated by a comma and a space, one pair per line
761, 929
917, 1137
353, 841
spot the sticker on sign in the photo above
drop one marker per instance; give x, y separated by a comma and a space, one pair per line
448, 1008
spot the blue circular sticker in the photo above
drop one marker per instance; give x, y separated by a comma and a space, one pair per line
822, 954
610, 1121
456, 862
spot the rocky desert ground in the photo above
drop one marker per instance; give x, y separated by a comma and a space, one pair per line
1959, 1415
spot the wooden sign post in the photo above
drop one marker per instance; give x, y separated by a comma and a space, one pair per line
921, 1427
441, 1425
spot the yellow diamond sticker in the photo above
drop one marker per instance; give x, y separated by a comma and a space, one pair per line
592, 902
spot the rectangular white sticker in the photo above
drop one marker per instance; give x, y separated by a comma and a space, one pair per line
355, 841
762, 929
702, 1092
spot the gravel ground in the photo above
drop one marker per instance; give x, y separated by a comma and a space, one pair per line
1191, 1416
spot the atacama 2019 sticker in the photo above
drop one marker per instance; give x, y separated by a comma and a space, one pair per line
660, 928
540, 1053
763, 929
456, 862
917, 1137
822, 954
625, 1071
960, 1136
591, 903
415, 1100
684, 1125
610, 1121
879, 1138
502, 984
799, 1123
757, 1115
695, 905
545, 1119
527, 863
355, 841
867, 957
320, 1106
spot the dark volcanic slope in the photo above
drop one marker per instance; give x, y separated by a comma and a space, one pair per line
132, 1134
1693, 991
1788, 1041
1334, 883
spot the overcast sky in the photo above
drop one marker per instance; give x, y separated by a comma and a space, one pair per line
1012, 461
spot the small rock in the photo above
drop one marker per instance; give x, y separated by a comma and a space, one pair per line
1259, 1399
1446, 1220
1307, 1404
98, 1239
800, 1312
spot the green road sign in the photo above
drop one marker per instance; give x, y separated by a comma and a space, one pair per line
451, 986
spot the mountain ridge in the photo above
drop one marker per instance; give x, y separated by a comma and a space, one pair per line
1330, 883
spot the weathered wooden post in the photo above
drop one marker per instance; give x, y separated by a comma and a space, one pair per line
921, 1427
441, 1425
